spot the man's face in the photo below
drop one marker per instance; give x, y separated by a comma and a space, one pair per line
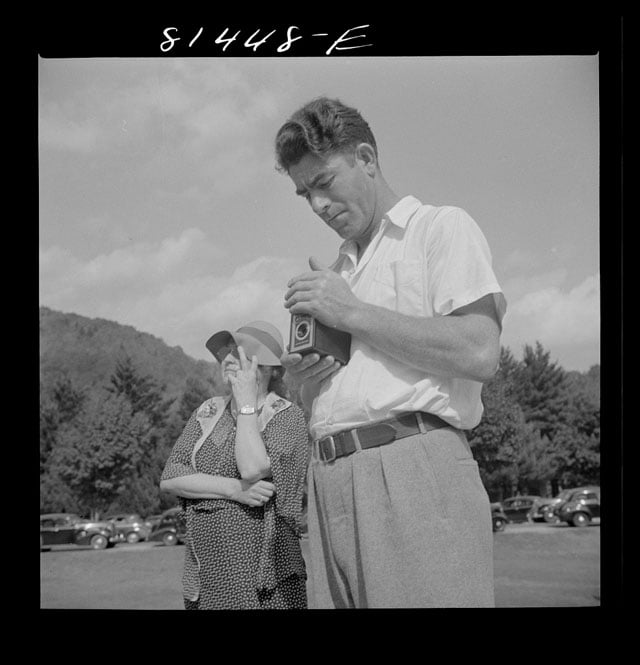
340, 191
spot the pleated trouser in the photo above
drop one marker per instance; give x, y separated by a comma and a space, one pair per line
403, 525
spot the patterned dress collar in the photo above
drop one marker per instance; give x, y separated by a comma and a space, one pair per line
273, 404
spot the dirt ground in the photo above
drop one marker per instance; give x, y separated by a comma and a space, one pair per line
536, 565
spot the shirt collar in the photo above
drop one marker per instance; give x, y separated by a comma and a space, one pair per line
402, 211
399, 216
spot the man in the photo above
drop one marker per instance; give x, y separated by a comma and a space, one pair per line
397, 514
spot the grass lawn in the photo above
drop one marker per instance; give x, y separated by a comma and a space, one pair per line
547, 566
535, 566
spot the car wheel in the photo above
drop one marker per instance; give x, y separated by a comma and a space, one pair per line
132, 537
499, 525
98, 542
170, 539
580, 519
551, 519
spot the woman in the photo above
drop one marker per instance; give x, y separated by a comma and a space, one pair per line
239, 466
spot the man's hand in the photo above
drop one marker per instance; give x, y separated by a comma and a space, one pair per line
323, 294
311, 368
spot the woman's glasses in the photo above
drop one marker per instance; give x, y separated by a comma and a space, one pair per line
228, 348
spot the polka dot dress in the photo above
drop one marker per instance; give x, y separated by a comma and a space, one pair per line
238, 556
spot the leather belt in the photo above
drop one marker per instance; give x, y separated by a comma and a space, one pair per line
336, 445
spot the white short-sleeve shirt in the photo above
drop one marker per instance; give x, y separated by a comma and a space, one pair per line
423, 261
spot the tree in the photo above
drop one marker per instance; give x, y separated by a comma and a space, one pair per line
68, 398
56, 496
513, 454
578, 457
577, 441
142, 391
541, 426
496, 437
534, 463
145, 397
59, 404
98, 455
195, 392
541, 390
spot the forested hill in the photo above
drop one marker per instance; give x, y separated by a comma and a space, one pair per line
87, 351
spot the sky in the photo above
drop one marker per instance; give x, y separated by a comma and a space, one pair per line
160, 206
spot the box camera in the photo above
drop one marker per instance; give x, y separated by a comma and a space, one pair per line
310, 336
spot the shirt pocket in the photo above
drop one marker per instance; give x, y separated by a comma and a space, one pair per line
398, 286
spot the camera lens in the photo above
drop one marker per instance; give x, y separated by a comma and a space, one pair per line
302, 330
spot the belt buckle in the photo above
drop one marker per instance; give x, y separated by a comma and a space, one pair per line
321, 448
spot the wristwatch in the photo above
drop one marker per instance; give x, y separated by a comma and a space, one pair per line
247, 410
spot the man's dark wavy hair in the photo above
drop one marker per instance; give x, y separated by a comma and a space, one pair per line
322, 126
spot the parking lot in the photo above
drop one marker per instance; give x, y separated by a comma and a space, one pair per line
536, 565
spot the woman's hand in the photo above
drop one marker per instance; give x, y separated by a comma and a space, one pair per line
244, 382
254, 494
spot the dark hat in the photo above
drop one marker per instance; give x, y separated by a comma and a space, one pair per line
257, 338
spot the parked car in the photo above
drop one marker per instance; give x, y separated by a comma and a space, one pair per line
538, 509
69, 528
171, 529
582, 506
549, 510
498, 517
130, 527
518, 508
152, 521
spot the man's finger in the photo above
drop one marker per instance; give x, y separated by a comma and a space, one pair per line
321, 366
321, 376
290, 359
314, 264
298, 287
311, 365
298, 297
303, 277
307, 361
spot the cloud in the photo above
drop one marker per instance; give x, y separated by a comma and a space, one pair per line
205, 126
137, 268
56, 131
168, 290
522, 284
561, 320
211, 101
254, 291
